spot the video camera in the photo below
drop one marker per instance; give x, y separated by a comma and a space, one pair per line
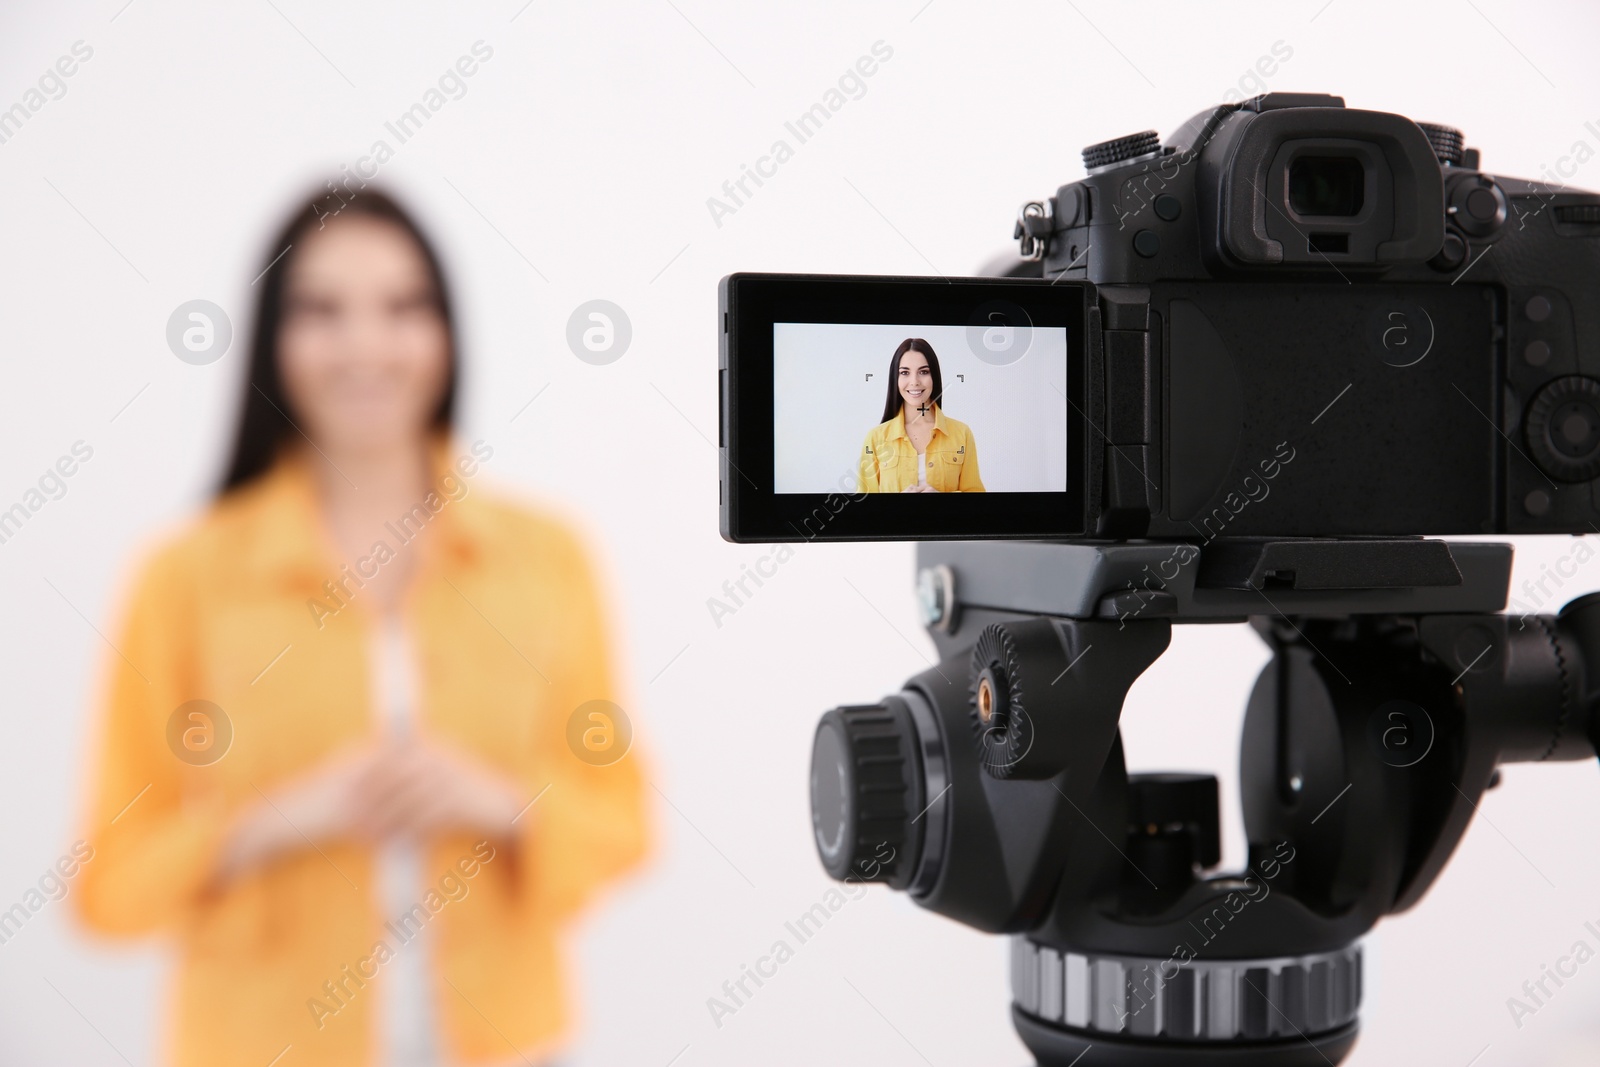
1245, 374
1286, 286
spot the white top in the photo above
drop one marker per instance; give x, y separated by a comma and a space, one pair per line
407, 1030
922, 468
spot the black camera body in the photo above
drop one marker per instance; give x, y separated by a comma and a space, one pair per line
1292, 319
1288, 342
1319, 321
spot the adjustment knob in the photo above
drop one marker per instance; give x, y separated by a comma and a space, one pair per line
1197, 1011
1120, 150
1017, 710
1449, 144
1564, 428
866, 790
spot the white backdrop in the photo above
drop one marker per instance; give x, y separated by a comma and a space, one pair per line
824, 403
578, 164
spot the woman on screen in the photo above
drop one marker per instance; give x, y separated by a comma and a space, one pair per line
917, 448
338, 693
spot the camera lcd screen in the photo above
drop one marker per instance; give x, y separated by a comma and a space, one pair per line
919, 407
879, 408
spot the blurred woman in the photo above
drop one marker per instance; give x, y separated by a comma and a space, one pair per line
917, 448
335, 760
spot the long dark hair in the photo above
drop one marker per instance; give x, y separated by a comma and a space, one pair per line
265, 421
892, 405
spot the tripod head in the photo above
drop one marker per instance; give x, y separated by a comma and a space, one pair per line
997, 781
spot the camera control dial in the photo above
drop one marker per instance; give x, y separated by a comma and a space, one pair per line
1449, 144
1143, 145
1564, 428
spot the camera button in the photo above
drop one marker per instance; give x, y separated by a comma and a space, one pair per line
1452, 253
1147, 243
1482, 204
1477, 205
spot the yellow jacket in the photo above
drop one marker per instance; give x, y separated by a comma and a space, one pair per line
889, 459
509, 640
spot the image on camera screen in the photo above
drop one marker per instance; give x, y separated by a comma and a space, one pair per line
898, 408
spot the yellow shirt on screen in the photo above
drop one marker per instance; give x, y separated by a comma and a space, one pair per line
247, 610
889, 459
